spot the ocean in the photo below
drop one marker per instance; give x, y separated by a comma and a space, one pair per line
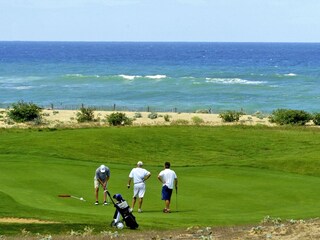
182, 77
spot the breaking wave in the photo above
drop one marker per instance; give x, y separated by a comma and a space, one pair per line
233, 81
132, 77
129, 77
156, 76
290, 75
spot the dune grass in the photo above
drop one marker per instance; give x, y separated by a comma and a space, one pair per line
227, 175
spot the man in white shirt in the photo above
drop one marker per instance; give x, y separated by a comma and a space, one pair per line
138, 175
169, 179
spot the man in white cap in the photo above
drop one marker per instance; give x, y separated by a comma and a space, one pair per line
138, 175
101, 178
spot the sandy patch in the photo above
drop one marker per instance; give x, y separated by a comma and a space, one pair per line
23, 220
56, 118
288, 230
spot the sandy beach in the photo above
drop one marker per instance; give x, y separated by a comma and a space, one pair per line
68, 118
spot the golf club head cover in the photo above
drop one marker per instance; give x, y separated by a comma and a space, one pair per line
118, 197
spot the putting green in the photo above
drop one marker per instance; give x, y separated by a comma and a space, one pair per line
210, 195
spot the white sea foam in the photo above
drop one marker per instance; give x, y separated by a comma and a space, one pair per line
20, 79
132, 77
290, 75
79, 75
129, 77
74, 75
156, 76
22, 87
233, 81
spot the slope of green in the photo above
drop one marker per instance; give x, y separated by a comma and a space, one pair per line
227, 175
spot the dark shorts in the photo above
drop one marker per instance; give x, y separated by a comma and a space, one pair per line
166, 193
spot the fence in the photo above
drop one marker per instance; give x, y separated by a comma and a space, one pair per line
115, 107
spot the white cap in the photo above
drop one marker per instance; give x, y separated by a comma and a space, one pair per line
102, 168
139, 163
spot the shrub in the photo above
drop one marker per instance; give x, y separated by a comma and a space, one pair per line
180, 122
316, 118
202, 111
166, 117
138, 115
153, 115
259, 115
24, 112
289, 116
116, 119
230, 116
197, 120
85, 115
37, 121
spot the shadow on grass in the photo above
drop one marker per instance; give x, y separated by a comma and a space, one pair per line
160, 211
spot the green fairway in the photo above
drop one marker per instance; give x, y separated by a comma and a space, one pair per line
227, 175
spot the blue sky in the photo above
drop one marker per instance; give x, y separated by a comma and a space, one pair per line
161, 20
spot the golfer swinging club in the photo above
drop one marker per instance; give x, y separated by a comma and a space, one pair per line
139, 175
101, 178
168, 178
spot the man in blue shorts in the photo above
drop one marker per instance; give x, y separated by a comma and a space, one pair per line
169, 179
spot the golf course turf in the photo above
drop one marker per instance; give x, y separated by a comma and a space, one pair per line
228, 175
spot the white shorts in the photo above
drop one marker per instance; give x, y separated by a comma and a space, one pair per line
96, 183
139, 190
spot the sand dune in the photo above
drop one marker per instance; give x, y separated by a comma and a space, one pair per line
68, 118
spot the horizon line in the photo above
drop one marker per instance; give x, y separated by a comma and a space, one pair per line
87, 41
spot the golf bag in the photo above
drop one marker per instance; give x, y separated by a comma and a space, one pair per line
122, 209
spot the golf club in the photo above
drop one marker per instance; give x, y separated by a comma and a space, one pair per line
104, 188
68, 195
177, 199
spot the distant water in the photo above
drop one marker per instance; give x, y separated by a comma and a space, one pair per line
162, 76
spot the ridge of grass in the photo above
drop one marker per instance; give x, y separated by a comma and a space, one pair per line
227, 175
